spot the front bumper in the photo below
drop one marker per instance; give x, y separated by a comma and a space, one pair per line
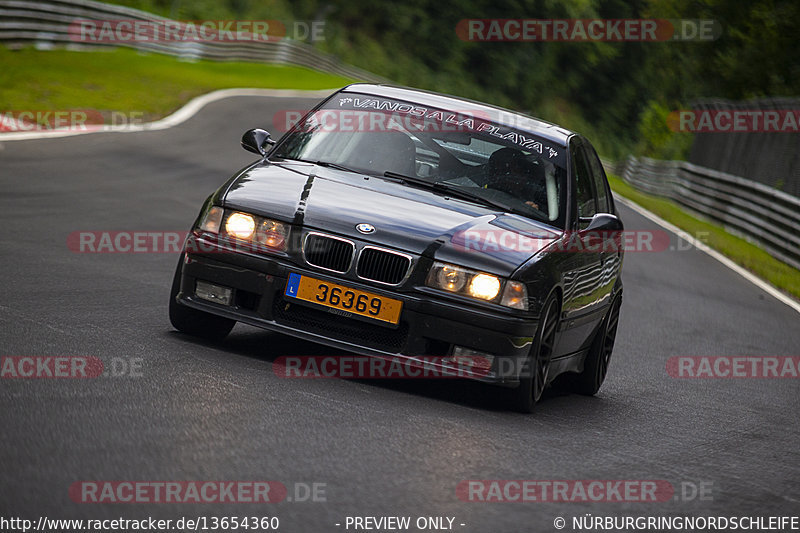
428, 328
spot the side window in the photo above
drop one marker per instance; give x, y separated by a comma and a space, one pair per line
584, 192
599, 176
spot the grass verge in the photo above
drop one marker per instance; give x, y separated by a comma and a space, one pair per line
125, 80
740, 251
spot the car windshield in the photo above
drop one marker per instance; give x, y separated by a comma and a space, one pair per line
486, 161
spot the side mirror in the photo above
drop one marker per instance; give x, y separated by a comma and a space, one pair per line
603, 222
603, 233
256, 141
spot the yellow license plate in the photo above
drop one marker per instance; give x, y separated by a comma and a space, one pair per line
344, 298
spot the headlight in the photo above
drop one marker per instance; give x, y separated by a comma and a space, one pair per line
484, 286
272, 234
241, 226
258, 234
451, 278
478, 285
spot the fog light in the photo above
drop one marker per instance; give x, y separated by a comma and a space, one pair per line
474, 359
213, 293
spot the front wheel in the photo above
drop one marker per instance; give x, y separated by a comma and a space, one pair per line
536, 369
194, 322
595, 368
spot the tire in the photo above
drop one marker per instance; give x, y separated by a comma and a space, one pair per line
194, 322
536, 369
595, 367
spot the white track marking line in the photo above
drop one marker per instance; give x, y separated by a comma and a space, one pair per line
746, 274
181, 115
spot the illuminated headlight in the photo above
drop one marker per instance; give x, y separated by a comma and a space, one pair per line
240, 225
484, 286
479, 285
260, 234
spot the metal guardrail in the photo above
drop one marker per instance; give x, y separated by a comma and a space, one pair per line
771, 158
750, 209
47, 23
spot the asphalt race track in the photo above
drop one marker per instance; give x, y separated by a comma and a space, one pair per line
203, 411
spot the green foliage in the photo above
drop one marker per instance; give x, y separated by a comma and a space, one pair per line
618, 94
656, 139
615, 93
125, 80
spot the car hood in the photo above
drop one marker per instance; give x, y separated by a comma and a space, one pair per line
405, 218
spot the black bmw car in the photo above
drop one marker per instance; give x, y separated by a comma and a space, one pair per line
399, 223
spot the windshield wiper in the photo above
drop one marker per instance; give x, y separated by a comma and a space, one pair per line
327, 164
452, 191
336, 166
